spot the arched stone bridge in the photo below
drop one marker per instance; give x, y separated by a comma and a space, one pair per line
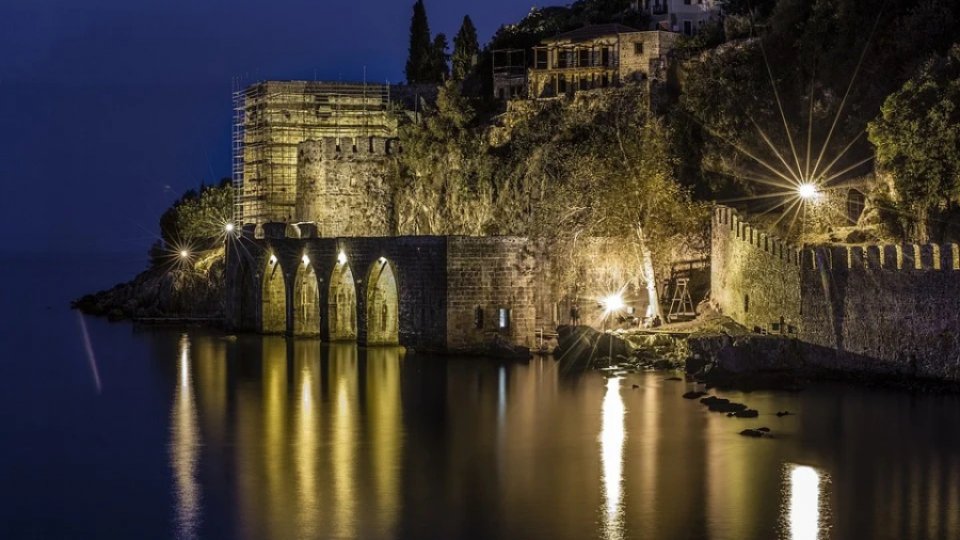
426, 292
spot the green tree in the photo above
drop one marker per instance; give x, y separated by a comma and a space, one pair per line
465, 50
917, 139
420, 59
196, 219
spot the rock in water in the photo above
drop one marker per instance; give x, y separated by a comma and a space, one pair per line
752, 433
693, 395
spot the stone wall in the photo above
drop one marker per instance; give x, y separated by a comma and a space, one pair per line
755, 278
486, 276
650, 61
888, 309
341, 187
279, 115
440, 282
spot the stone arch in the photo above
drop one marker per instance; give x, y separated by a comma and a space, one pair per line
273, 299
383, 305
306, 301
342, 302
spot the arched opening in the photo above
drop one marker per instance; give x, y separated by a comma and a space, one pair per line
383, 305
306, 302
273, 306
343, 304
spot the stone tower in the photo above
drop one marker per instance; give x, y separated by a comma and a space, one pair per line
341, 186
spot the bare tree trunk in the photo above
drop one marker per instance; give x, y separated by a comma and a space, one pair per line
646, 261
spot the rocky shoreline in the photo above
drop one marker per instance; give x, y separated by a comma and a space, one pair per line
162, 293
724, 356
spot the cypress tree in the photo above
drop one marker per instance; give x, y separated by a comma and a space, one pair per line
440, 70
421, 58
466, 48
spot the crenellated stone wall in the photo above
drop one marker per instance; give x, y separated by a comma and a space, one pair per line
884, 308
755, 277
341, 187
889, 309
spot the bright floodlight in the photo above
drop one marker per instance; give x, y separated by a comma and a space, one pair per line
184, 253
807, 191
305, 259
273, 259
342, 258
228, 227
612, 303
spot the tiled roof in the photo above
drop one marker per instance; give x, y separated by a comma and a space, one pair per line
592, 31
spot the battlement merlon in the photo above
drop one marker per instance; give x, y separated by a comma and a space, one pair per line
359, 148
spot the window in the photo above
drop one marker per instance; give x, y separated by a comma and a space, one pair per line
541, 60
686, 2
688, 28
638, 48
584, 57
503, 321
605, 56
478, 317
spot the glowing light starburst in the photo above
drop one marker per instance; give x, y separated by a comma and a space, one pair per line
797, 182
808, 191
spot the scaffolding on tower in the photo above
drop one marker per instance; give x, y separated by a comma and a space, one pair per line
237, 153
272, 118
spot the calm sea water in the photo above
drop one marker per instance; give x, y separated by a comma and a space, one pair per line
160, 433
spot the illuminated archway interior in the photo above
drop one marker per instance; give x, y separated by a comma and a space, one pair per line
383, 302
273, 309
343, 304
306, 302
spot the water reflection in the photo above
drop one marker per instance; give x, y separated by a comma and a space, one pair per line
612, 438
343, 438
804, 501
307, 437
184, 448
309, 440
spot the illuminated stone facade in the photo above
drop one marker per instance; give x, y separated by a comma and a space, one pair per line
597, 57
341, 188
273, 118
892, 309
456, 294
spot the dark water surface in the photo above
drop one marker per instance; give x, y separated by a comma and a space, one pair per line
164, 433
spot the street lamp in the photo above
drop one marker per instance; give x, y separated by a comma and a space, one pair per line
808, 191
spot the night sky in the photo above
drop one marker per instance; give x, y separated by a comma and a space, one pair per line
110, 109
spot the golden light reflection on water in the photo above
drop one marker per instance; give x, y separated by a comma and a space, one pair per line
306, 442
805, 507
612, 438
343, 435
184, 449
384, 411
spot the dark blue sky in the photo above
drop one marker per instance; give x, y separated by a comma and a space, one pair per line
110, 109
